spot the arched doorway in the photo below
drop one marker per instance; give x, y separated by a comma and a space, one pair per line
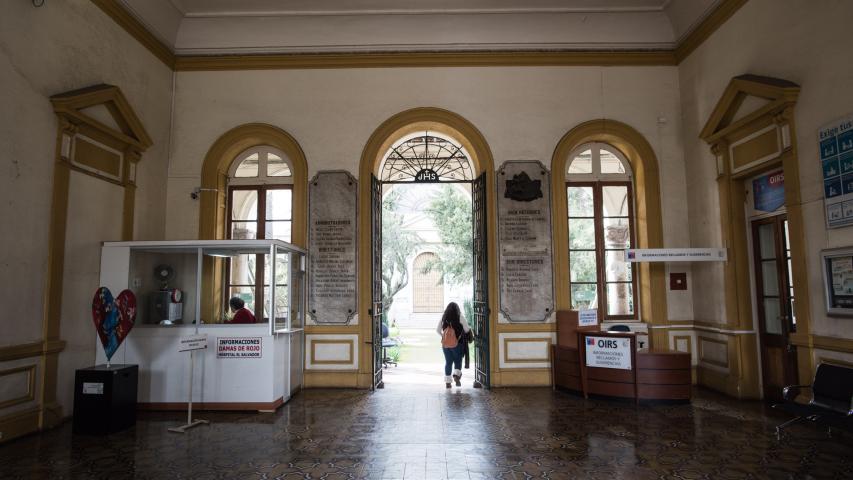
427, 284
427, 145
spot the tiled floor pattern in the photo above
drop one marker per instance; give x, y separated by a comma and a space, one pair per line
428, 432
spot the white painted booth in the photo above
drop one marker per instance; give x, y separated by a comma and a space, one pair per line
245, 366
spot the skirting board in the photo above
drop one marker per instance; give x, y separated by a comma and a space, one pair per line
233, 406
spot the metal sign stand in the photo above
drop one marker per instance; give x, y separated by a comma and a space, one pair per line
192, 344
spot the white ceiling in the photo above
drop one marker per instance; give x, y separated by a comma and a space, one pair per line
310, 26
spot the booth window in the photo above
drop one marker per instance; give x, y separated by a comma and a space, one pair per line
260, 206
601, 226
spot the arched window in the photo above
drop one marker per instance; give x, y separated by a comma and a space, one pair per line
601, 226
427, 284
260, 206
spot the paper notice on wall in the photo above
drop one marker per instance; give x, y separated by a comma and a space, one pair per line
842, 275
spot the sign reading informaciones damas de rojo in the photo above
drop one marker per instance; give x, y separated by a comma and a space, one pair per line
836, 158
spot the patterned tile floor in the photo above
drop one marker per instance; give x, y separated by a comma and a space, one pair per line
428, 432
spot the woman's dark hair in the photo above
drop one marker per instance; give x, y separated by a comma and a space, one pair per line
450, 318
236, 303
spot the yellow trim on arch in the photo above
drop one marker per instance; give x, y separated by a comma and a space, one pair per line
649, 225
399, 125
213, 196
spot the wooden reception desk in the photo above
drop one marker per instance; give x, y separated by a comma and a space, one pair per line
653, 375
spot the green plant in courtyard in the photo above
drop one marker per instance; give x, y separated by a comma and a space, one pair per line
397, 244
450, 211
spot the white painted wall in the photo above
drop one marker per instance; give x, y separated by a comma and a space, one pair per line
522, 112
59, 47
798, 41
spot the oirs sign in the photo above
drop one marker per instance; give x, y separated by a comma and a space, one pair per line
608, 352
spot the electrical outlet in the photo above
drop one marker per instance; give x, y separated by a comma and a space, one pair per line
137, 282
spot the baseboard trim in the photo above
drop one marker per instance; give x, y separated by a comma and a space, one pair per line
212, 406
19, 424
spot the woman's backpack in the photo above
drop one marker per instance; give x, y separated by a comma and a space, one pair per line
448, 338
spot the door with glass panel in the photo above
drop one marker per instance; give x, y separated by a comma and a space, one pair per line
774, 295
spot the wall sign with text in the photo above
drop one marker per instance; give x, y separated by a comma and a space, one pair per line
239, 347
836, 158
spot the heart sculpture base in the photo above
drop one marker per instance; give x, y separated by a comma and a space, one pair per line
105, 399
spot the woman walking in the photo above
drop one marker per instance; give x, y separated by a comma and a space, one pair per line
451, 327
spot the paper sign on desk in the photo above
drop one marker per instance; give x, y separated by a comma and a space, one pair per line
193, 342
587, 318
608, 352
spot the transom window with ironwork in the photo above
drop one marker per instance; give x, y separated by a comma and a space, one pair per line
426, 158
260, 205
601, 227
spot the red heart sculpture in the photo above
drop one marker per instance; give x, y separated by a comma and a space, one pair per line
113, 319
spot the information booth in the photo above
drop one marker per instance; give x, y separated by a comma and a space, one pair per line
183, 289
595, 362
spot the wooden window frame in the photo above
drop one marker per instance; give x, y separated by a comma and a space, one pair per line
600, 250
260, 224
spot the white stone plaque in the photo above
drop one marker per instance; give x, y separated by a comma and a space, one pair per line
524, 230
332, 272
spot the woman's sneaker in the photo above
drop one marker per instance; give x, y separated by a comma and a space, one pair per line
457, 379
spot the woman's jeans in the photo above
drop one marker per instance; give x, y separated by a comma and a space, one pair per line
453, 357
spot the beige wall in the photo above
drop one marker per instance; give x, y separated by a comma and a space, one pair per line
44, 51
792, 40
522, 112
803, 42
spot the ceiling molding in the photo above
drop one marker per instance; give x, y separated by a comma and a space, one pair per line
629, 57
718, 16
420, 59
137, 30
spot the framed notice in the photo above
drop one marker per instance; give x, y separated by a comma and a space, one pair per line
838, 281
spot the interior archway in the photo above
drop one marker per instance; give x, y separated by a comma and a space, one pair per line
398, 126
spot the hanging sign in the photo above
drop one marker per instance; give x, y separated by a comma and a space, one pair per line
238, 347
587, 318
193, 342
768, 191
836, 157
608, 352
676, 255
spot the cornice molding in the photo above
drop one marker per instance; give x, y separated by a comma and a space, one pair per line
722, 12
422, 59
666, 57
137, 30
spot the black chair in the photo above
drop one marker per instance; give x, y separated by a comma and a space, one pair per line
831, 404
619, 328
387, 343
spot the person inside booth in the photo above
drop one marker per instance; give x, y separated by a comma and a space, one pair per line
241, 313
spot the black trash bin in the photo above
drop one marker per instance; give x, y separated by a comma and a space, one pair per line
105, 399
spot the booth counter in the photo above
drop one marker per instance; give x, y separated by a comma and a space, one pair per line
245, 366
